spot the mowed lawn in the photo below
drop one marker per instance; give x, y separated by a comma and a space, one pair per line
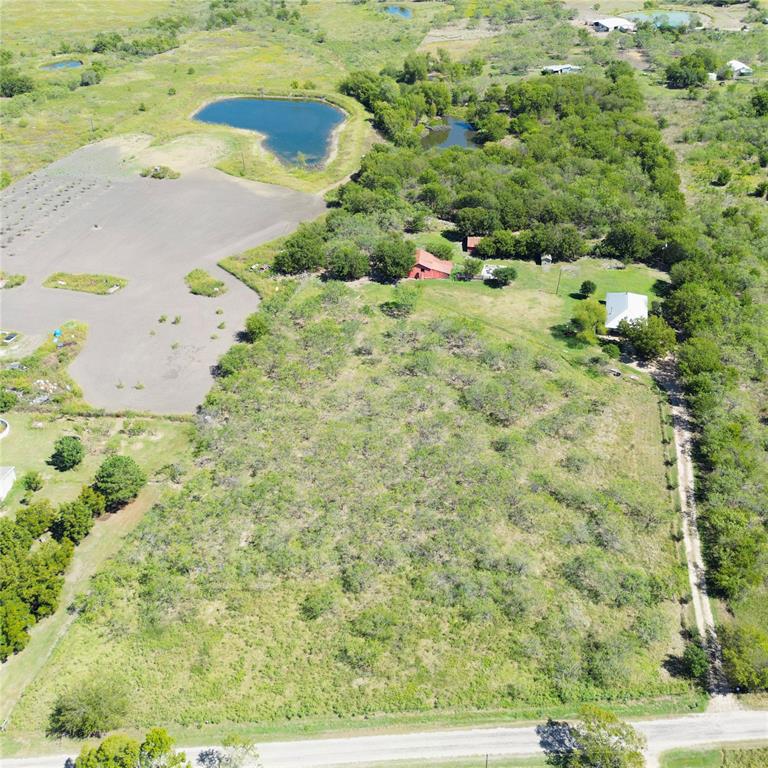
440, 514
261, 57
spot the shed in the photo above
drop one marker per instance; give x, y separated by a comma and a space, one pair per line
611, 23
7, 479
739, 68
560, 69
470, 243
429, 267
625, 306
546, 259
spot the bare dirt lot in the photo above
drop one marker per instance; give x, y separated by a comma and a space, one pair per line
92, 213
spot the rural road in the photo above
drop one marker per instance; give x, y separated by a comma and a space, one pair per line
671, 733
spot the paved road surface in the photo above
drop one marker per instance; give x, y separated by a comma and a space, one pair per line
671, 733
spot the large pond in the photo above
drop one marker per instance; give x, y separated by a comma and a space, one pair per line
296, 131
662, 18
456, 133
68, 64
398, 10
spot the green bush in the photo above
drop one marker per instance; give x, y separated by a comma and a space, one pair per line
119, 480
89, 709
32, 481
256, 326
393, 257
68, 452
201, 283
73, 521
303, 251
345, 261
588, 287
7, 400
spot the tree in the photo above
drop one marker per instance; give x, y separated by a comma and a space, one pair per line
15, 619
598, 740
90, 77
13, 83
89, 709
117, 751
759, 100
157, 751
393, 257
7, 400
32, 481
696, 661
628, 242
36, 518
68, 452
470, 268
589, 320
345, 261
119, 479
588, 287
651, 337
95, 502
73, 521
303, 251
503, 276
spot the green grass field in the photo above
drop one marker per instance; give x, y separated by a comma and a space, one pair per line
99, 284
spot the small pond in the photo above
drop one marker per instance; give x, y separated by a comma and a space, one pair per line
68, 64
398, 10
456, 133
662, 18
294, 129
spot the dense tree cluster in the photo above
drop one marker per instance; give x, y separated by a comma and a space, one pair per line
36, 548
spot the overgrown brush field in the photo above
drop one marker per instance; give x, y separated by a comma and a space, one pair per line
430, 512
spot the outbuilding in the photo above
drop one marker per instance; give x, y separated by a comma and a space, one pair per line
470, 243
612, 23
7, 479
560, 69
739, 68
429, 267
624, 306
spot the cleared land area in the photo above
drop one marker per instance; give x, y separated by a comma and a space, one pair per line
92, 213
356, 464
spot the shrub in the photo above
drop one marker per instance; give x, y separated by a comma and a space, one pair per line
345, 261
589, 320
503, 276
119, 479
89, 77
303, 251
201, 283
68, 452
588, 287
116, 751
158, 171
13, 83
73, 521
256, 326
696, 662
469, 269
651, 338
32, 481
403, 301
317, 602
95, 502
7, 400
35, 518
89, 709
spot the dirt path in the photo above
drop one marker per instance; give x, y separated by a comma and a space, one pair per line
665, 373
100, 544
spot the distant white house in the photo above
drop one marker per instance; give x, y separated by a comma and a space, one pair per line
487, 272
560, 69
611, 23
625, 306
739, 68
7, 479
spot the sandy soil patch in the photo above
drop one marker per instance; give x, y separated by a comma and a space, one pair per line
460, 34
92, 213
185, 153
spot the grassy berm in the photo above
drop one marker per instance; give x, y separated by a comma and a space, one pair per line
395, 512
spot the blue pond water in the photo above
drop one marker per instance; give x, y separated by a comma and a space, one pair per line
456, 133
68, 64
293, 129
398, 10
662, 18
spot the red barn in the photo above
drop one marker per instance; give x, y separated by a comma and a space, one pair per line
470, 243
429, 267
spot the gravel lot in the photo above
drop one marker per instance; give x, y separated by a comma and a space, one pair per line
92, 212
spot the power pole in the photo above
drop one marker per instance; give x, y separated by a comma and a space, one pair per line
559, 276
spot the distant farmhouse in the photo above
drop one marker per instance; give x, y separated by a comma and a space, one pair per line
611, 23
560, 69
739, 68
7, 479
429, 267
625, 306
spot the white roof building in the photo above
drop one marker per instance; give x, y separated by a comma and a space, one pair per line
7, 479
610, 23
560, 69
739, 67
486, 273
625, 306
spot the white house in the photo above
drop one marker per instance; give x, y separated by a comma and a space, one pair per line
611, 23
7, 479
560, 69
486, 273
739, 68
625, 306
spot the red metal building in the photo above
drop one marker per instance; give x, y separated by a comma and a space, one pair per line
429, 267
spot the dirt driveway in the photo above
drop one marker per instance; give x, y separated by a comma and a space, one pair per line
91, 212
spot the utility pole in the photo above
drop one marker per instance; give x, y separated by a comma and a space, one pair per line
559, 276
